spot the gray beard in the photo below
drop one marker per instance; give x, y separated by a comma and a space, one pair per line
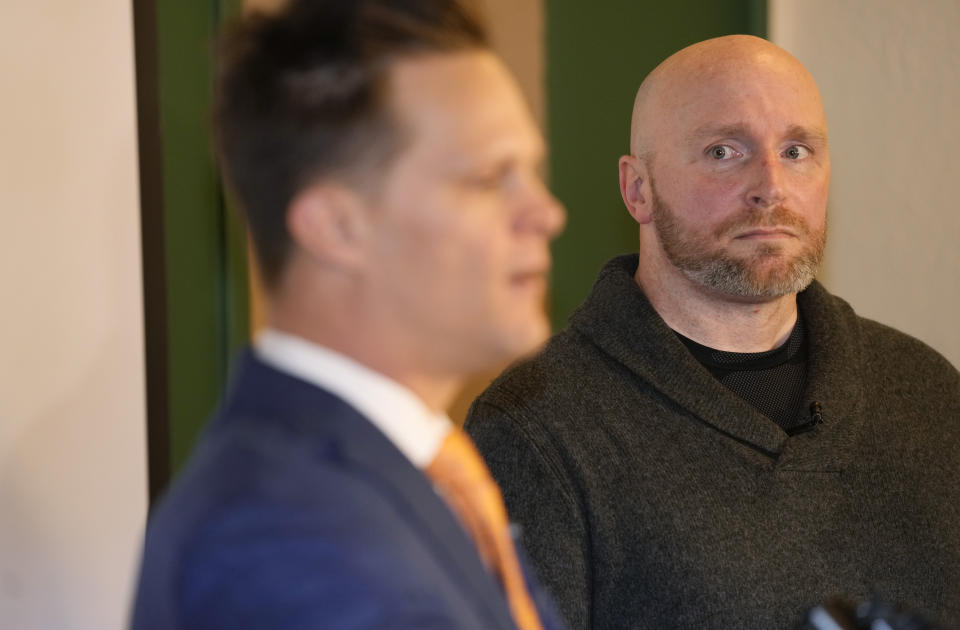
753, 276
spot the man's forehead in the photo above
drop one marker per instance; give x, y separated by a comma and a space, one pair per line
738, 81
452, 99
726, 101
721, 82
811, 133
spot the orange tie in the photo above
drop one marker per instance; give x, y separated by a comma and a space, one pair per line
459, 473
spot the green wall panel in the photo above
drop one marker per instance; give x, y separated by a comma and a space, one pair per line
597, 54
207, 300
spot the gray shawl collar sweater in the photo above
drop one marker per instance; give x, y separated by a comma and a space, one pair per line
651, 496
610, 316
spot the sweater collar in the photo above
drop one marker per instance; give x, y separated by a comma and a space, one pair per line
619, 319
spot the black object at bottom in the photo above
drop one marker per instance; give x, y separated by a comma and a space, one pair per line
839, 614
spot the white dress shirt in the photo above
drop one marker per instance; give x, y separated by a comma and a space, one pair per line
395, 410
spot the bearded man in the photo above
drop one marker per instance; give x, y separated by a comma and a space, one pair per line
716, 441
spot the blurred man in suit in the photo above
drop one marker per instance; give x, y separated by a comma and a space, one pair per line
387, 167
715, 441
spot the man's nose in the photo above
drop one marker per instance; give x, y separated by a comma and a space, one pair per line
542, 211
766, 188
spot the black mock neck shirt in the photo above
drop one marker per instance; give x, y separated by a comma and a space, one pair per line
773, 381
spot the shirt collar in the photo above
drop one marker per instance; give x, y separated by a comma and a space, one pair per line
395, 410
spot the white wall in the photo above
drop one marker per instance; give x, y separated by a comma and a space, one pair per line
889, 71
72, 411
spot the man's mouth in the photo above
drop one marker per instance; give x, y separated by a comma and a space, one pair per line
765, 233
529, 279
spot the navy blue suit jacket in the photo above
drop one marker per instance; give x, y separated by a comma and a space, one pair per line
295, 512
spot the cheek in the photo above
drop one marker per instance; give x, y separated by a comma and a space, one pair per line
415, 234
458, 259
814, 204
700, 199
479, 250
451, 246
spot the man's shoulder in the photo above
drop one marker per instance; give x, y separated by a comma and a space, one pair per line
249, 474
279, 559
883, 348
313, 459
543, 377
262, 514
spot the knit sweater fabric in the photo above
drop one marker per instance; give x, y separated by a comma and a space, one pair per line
651, 496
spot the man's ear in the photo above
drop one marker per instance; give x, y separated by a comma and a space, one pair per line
329, 223
635, 188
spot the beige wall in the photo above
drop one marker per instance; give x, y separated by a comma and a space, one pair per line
889, 71
72, 413
516, 28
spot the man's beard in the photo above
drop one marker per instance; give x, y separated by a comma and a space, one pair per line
765, 273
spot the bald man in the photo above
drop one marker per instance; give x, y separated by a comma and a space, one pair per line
716, 441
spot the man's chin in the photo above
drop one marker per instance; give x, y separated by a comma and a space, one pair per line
498, 347
526, 338
755, 279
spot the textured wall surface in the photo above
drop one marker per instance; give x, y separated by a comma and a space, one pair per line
72, 420
889, 72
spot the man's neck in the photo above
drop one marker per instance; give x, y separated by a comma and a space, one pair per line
714, 319
393, 360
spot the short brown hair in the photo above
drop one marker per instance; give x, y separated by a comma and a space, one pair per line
301, 94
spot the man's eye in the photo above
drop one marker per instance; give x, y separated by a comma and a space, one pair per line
796, 152
721, 152
489, 179
486, 181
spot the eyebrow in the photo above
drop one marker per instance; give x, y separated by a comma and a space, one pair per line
800, 133
812, 135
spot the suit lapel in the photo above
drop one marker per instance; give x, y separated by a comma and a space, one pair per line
429, 516
262, 391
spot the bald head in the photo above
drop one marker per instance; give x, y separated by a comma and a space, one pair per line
712, 71
729, 171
